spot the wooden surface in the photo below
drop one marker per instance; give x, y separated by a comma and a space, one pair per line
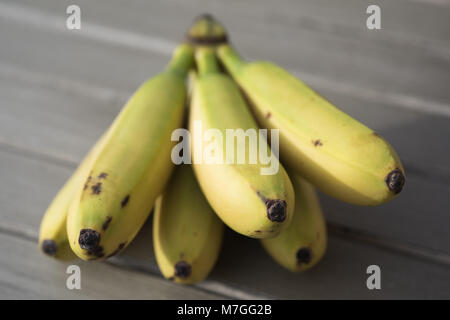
59, 89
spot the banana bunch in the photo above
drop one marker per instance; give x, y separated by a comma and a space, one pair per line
226, 104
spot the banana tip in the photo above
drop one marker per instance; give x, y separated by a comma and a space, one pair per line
89, 239
303, 256
276, 210
395, 181
183, 269
49, 247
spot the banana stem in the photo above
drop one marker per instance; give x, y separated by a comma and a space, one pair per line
182, 59
230, 58
206, 60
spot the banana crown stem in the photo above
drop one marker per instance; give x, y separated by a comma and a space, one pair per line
182, 59
230, 58
206, 60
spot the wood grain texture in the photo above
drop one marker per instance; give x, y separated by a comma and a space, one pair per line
326, 38
244, 265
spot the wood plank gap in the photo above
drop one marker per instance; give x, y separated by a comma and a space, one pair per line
12, 231
62, 84
407, 249
207, 286
40, 19
36, 154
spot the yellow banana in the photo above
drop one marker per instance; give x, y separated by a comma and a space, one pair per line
304, 242
187, 234
335, 152
132, 167
250, 203
53, 233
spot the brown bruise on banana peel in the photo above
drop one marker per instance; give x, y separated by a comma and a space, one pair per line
268, 115
49, 247
303, 256
120, 247
125, 201
87, 182
395, 180
276, 208
106, 223
317, 143
182, 270
103, 175
97, 188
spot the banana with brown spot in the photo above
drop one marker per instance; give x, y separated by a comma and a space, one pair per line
53, 239
339, 155
187, 234
133, 165
248, 201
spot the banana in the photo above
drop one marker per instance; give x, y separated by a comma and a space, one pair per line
132, 167
53, 233
187, 234
249, 202
339, 155
304, 242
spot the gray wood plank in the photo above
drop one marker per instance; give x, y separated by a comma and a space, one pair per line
403, 18
322, 38
416, 217
59, 91
243, 269
28, 274
98, 69
244, 265
74, 57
